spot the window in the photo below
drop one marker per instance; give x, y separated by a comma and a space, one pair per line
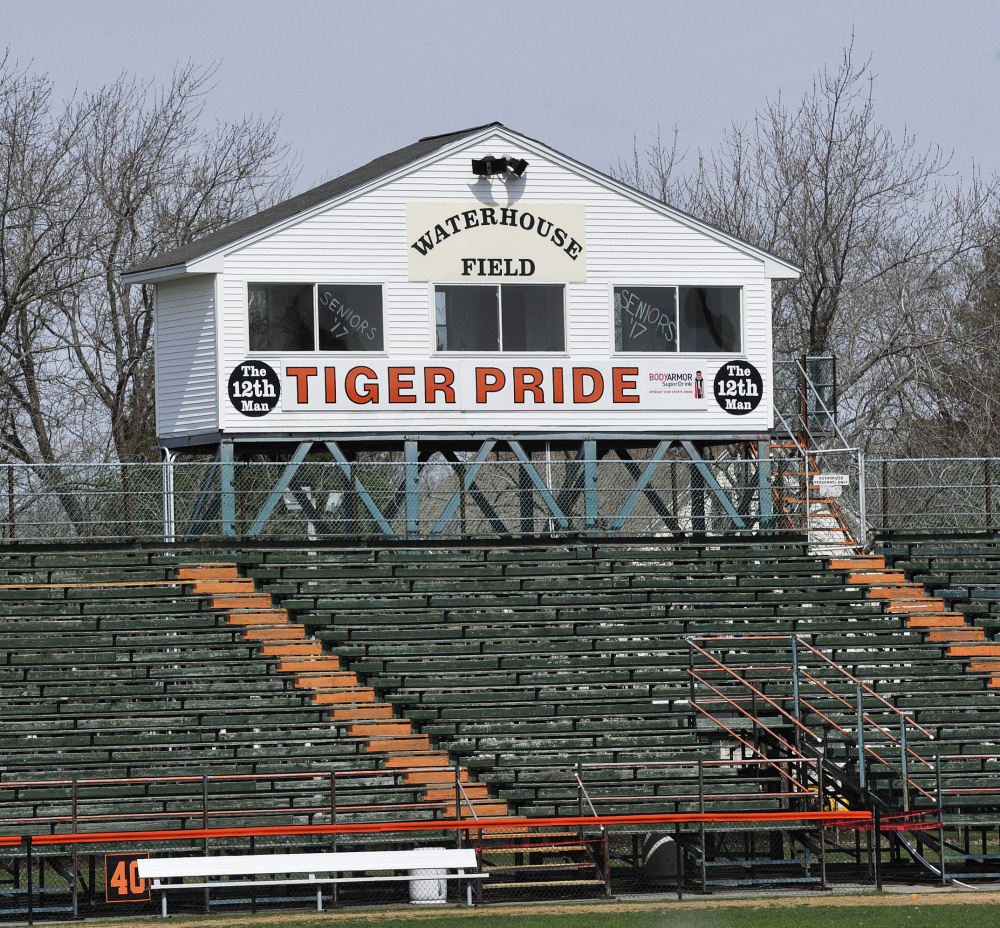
709, 319
508, 317
310, 317
350, 317
281, 317
670, 319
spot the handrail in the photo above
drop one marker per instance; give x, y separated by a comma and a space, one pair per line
755, 750
585, 794
749, 686
830, 416
637, 818
468, 802
863, 685
904, 719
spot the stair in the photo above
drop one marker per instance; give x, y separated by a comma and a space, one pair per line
542, 863
373, 722
923, 613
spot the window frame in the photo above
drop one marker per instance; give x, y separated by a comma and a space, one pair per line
680, 352
499, 352
315, 283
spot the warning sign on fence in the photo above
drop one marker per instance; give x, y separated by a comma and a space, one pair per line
833, 480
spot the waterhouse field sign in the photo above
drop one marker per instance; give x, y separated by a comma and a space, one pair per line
470, 241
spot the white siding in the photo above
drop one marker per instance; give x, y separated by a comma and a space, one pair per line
364, 240
187, 384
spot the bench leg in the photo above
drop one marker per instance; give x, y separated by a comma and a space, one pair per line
163, 904
319, 899
468, 893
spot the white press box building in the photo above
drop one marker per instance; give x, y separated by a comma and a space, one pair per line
473, 285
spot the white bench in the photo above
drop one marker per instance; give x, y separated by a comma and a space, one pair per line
320, 869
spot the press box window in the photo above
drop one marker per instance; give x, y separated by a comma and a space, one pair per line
281, 317
310, 317
508, 317
671, 319
350, 317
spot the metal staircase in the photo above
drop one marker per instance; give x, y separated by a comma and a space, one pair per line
818, 479
836, 743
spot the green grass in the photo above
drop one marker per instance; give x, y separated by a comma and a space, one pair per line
864, 912
911, 916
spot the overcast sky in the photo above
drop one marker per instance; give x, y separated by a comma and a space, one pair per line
353, 80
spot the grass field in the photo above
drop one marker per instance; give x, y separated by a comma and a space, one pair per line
929, 910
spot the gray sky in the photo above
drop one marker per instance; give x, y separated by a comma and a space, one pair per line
353, 80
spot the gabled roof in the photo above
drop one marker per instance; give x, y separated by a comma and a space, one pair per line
385, 164
176, 259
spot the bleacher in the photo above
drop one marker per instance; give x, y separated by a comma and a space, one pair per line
523, 661
111, 668
519, 662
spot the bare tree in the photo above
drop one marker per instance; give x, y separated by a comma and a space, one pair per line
89, 188
43, 238
881, 230
158, 179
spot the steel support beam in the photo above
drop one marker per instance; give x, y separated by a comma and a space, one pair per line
539, 483
206, 505
492, 516
764, 499
359, 488
471, 469
282, 484
713, 484
590, 513
641, 485
411, 455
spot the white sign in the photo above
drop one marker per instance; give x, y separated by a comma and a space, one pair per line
487, 243
833, 480
468, 385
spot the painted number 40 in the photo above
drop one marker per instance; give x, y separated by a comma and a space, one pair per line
122, 880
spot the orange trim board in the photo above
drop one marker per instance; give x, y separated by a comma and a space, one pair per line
574, 821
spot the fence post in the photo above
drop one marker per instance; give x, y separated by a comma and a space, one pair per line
885, 496
765, 501
808, 480
128, 501
75, 853
590, 486
861, 738
10, 500
227, 490
204, 821
701, 824
26, 841
988, 466
679, 862
822, 823
904, 768
167, 477
458, 803
878, 847
795, 691
333, 821
940, 802
862, 501
411, 482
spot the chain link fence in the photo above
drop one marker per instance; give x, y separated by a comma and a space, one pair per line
51, 879
933, 495
378, 499
845, 496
